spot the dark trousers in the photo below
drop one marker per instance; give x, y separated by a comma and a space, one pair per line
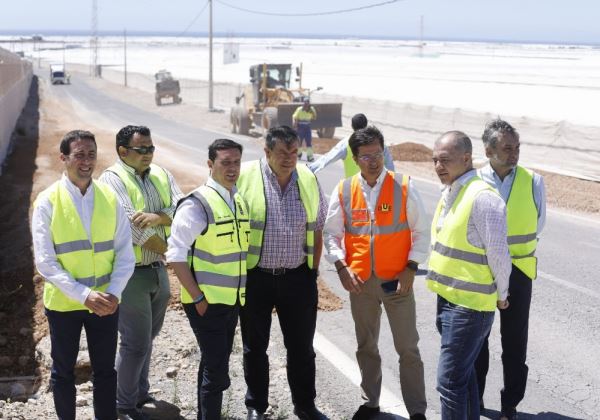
101, 332
294, 296
214, 332
514, 331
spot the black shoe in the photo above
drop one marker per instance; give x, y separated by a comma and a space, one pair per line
309, 413
365, 413
148, 400
254, 414
131, 414
508, 413
418, 416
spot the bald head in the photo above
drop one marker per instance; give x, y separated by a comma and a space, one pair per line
452, 156
457, 140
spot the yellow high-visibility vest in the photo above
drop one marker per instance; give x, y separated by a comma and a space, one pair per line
159, 178
251, 185
218, 257
522, 222
88, 261
459, 271
350, 166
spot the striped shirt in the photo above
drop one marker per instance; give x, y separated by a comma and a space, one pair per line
285, 228
153, 204
486, 228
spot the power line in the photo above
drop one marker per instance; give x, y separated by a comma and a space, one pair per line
331, 12
193, 20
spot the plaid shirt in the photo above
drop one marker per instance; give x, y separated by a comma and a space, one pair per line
285, 229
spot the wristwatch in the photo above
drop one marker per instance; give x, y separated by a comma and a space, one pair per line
414, 266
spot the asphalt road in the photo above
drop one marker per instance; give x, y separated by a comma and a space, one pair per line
564, 346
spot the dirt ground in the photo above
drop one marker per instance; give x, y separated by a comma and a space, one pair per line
34, 165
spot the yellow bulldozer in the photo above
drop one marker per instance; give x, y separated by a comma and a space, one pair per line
269, 101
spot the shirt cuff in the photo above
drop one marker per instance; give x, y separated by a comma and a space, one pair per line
176, 255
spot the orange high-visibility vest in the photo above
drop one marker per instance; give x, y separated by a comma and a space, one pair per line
379, 246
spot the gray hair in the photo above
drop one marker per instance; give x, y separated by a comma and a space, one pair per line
494, 129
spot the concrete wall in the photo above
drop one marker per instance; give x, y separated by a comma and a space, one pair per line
15, 79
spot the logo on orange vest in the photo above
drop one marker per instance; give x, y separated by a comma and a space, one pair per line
360, 215
385, 207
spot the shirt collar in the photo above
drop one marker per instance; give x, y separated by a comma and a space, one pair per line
210, 182
132, 170
489, 170
72, 188
461, 180
378, 181
269, 172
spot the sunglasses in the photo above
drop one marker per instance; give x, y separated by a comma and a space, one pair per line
142, 150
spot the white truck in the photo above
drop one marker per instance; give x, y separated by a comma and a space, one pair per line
58, 74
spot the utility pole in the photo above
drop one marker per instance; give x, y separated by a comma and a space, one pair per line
210, 57
94, 40
421, 43
125, 56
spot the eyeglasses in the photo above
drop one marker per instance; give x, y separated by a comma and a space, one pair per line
142, 150
370, 158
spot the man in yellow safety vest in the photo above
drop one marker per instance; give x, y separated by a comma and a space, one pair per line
524, 193
82, 247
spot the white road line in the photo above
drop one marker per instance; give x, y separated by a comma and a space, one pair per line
568, 284
387, 401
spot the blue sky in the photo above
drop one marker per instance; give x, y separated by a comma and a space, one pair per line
561, 21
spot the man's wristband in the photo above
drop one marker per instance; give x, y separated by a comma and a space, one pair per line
414, 266
198, 299
341, 268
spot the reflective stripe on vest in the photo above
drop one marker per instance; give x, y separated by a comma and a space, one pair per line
458, 271
382, 245
350, 166
89, 263
248, 185
159, 179
522, 222
218, 257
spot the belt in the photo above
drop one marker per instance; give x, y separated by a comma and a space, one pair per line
154, 265
278, 271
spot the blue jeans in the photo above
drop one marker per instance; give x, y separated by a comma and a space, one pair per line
101, 332
463, 332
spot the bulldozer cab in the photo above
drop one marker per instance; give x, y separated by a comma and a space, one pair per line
277, 75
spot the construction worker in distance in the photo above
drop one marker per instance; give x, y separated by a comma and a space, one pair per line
524, 193
301, 120
342, 151
148, 194
376, 233
82, 247
207, 250
469, 267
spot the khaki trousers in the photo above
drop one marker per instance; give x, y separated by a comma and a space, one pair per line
400, 310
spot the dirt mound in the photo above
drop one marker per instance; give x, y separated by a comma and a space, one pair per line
410, 152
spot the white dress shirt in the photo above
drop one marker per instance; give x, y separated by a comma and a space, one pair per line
46, 261
333, 232
486, 228
190, 221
